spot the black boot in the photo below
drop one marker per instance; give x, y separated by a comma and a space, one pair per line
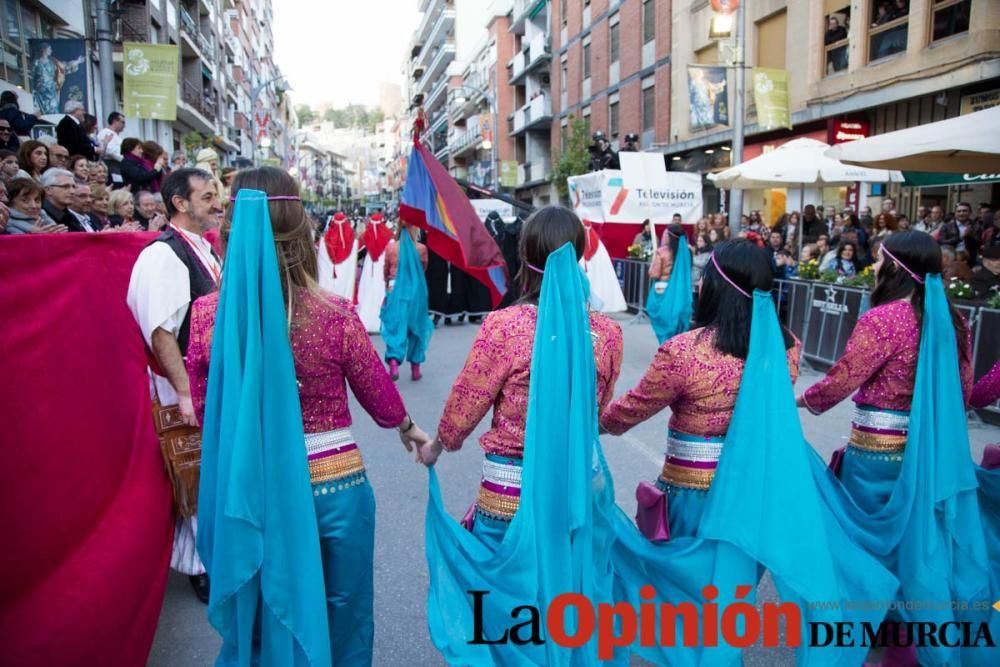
199, 582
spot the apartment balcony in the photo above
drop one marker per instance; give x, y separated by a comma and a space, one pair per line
438, 66
195, 108
522, 11
442, 27
436, 96
535, 115
535, 55
465, 141
534, 173
428, 22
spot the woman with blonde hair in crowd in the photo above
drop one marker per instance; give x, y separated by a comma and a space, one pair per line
101, 201
121, 211
98, 173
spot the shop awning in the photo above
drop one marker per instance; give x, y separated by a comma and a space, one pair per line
930, 178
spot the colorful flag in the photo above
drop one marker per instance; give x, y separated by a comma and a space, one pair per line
707, 95
150, 80
433, 201
770, 96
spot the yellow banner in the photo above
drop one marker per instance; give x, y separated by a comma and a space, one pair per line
150, 73
770, 95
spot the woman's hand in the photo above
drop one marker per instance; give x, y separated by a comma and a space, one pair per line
428, 453
410, 434
48, 228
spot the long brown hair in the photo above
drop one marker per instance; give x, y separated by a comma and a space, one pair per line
293, 232
547, 230
24, 155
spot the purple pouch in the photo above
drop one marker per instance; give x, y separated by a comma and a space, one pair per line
470, 518
837, 460
991, 457
651, 512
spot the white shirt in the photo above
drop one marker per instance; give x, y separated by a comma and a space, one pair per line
159, 295
84, 220
112, 141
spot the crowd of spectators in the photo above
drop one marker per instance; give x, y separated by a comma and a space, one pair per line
82, 179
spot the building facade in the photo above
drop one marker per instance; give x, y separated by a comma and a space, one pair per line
229, 90
855, 69
432, 51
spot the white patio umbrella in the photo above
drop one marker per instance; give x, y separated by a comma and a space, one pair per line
965, 144
800, 162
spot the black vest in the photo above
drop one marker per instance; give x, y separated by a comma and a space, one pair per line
200, 279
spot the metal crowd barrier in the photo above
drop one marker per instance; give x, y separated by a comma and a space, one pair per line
822, 316
633, 276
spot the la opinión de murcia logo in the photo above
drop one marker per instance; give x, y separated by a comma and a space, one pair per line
739, 624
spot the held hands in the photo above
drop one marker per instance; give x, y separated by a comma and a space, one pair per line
428, 453
410, 434
800, 401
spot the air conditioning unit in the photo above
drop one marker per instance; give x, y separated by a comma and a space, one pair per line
546, 79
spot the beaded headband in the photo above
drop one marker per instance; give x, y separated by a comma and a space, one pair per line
902, 266
534, 268
729, 280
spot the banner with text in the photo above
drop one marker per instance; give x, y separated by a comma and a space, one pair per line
770, 96
707, 96
58, 73
150, 81
602, 197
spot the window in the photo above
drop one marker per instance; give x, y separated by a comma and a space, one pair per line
562, 12
951, 17
613, 119
648, 21
648, 109
562, 135
614, 43
889, 23
586, 60
563, 78
771, 38
835, 39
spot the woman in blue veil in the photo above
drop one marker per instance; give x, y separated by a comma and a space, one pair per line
909, 493
670, 296
735, 493
541, 524
287, 516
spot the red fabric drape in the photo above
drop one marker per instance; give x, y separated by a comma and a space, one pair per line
86, 511
376, 238
339, 241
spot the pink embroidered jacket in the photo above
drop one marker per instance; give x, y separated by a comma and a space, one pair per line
496, 375
987, 390
880, 363
331, 350
694, 379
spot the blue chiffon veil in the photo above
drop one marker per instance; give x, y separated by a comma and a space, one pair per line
670, 312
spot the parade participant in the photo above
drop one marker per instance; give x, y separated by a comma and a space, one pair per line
168, 276
371, 286
338, 258
497, 372
446, 289
543, 365
906, 466
293, 584
406, 325
987, 389
669, 302
729, 466
605, 290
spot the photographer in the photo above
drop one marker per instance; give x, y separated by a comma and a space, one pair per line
601, 155
631, 144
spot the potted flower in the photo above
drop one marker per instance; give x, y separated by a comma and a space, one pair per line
809, 269
958, 289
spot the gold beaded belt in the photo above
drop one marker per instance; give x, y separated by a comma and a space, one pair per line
880, 431
691, 460
332, 455
500, 488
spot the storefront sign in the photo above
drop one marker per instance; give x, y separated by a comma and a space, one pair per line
929, 178
980, 101
842, 131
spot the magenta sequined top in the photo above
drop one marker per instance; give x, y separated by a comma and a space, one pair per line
496, 375
697, 381
879, 362
987, 390
331, 350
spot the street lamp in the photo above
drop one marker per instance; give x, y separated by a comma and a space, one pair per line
258, 89
490, 145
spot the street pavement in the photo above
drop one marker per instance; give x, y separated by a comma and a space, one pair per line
185, 639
